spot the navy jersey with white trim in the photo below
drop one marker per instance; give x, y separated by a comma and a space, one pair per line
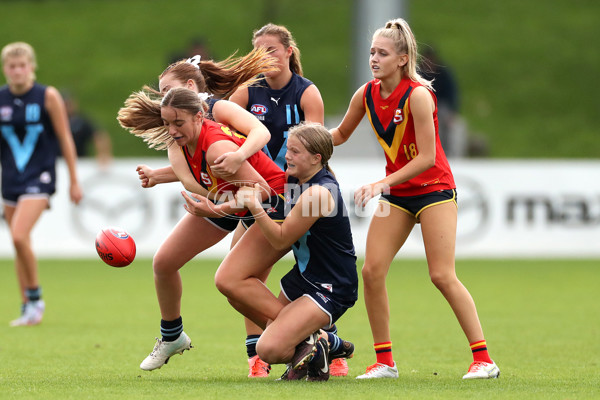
28, 144
278, 110
325, 254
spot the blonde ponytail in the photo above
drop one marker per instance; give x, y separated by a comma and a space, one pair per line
400, 33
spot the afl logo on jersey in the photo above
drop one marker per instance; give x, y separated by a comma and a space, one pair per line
6, 113
258, 109
398, 117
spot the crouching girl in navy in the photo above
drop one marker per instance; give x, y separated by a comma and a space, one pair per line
323, 283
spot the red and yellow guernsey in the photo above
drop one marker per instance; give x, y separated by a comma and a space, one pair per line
213, 132
393, 125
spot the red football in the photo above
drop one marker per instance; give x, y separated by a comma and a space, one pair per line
115, 247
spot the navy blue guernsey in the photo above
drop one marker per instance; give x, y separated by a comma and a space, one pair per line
278, 110
325, 254
211, 101
28, 146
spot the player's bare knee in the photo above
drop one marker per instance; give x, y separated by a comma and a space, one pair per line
372, 274
224, 285
269, 352
162, 266
20, 242
442, 280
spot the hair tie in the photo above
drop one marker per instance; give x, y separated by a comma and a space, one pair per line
195, 61
203, 95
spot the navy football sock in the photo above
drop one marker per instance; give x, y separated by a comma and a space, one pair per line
170, 330
251, 345
33, 294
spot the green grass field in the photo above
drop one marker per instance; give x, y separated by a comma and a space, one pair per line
541, 318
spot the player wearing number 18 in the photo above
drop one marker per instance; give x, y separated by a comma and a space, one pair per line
418, 188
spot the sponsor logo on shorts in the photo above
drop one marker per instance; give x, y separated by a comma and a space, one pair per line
45, 177
323, 297
327, 286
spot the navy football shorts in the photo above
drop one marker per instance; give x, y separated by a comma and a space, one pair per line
293, 286
228, 223
11, 199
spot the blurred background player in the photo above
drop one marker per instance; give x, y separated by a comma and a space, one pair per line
86, 133
455, 135
280, 100
34, 125
442, 80
418, 188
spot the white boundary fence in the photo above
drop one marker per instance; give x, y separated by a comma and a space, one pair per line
547, 208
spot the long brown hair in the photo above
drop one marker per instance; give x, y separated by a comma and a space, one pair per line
224, 77
286, 39
141, 114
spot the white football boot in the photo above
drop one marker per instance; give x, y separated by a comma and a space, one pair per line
32, 314
482, 370
164, 350
379, 370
